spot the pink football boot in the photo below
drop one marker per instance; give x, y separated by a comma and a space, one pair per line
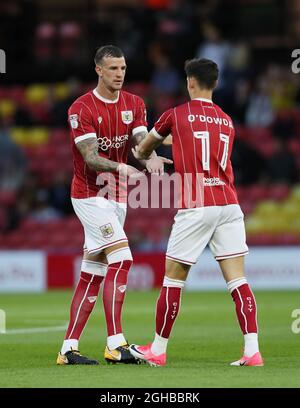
144, 353
255, 361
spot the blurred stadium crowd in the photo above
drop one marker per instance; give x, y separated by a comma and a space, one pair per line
50, 47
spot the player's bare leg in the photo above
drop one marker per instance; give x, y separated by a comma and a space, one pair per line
93, 270
119, 261
233, 272
167, 309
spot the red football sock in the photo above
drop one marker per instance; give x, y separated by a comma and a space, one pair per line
167, 308
245, 307
114, 290
83, 302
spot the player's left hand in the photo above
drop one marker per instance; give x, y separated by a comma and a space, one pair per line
155, 165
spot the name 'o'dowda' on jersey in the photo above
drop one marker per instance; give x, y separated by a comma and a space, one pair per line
202, 144
112, 123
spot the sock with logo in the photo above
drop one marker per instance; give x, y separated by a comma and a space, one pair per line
245, 307
114, 290
167, 309
83, 302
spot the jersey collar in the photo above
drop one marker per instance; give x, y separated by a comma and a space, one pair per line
104, 99
203, 99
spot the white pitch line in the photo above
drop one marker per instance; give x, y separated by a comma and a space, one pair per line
35, 330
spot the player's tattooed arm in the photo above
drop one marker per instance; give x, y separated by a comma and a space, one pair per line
89, 151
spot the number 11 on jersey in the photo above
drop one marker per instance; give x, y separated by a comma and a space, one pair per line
204, 136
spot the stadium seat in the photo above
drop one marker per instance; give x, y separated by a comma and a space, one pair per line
61, 90
59, 136
36, 93
7, 197
7, 108
295, 193
267, 209
29, 136
44, 41
254, 224
257, 192
290, 209
17, 94
279, 191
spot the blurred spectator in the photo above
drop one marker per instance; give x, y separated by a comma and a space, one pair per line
239, 58
260, 111
214, 47
247, 163
61, 101
240, 101
42, 210
127, 36
59, 194
281, 167
12, 163
281, 87
165, 78
284, 125
26, 195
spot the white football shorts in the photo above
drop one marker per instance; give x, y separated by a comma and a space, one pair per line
102, 221
220, 227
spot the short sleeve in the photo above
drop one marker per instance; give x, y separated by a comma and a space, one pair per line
140, 120
163, 127
81, 124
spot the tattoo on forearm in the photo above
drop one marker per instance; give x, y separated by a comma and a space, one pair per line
89, 151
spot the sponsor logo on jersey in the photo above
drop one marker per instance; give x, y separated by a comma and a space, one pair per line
213, 181
107, 230
116, 142
127, 117
74, 121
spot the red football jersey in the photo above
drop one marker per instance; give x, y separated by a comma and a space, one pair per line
202, 143
112, 123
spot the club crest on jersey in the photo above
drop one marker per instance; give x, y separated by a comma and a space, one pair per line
74, 121
99, 119
107, 230
127, 117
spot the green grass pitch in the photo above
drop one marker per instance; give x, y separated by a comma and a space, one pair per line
205, 339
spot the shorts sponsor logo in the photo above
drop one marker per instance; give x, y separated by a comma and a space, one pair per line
107, 230
99, 119
127, 117
74, 121
92, 299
